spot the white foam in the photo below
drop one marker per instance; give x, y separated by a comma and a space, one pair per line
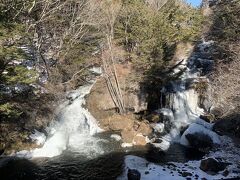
116, 137
38, 137
159, 127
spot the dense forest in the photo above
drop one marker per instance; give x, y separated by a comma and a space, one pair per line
165, 66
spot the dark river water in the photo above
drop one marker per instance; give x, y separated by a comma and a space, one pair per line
75, 166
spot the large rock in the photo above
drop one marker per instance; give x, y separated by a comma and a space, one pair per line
144, 128
133, 174
199, 136
212, 165
200, 141
228, 126
128, 135
139, 140
118, 122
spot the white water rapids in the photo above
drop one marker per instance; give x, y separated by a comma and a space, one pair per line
73, 130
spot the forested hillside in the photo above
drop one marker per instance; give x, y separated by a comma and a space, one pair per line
66, 37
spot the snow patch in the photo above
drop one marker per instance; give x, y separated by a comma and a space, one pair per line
171, 171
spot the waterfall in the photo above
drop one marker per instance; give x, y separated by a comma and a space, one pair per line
72, 130
183, 108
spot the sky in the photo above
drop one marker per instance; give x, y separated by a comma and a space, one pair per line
194, 2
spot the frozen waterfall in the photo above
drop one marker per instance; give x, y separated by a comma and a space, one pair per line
183, 108
73, 129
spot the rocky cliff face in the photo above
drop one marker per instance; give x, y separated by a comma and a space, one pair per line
100, 103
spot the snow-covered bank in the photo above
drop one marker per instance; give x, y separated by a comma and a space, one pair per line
176, 171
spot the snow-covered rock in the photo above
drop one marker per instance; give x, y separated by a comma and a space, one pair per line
197, 128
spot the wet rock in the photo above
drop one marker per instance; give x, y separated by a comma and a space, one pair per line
229, 126
205, 64
183, 129
156, 140
208, 118
144, 129
200, 141
155, 118
133, 174
128, 135
139, 140
212, 165
225, 173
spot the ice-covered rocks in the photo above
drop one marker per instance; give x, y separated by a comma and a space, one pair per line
199, 137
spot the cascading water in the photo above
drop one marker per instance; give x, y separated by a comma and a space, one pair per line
183, 99
73, 130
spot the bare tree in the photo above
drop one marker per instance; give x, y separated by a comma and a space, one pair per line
110, 10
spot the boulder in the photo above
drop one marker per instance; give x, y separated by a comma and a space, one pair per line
200, 141
118, 122
133, 174
139, 140
228, 126
212, 165
128, 135
200, 136
144, 128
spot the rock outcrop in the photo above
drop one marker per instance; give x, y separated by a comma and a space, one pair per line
212, 165
100, 103
229, 126
200, 141
132, 131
